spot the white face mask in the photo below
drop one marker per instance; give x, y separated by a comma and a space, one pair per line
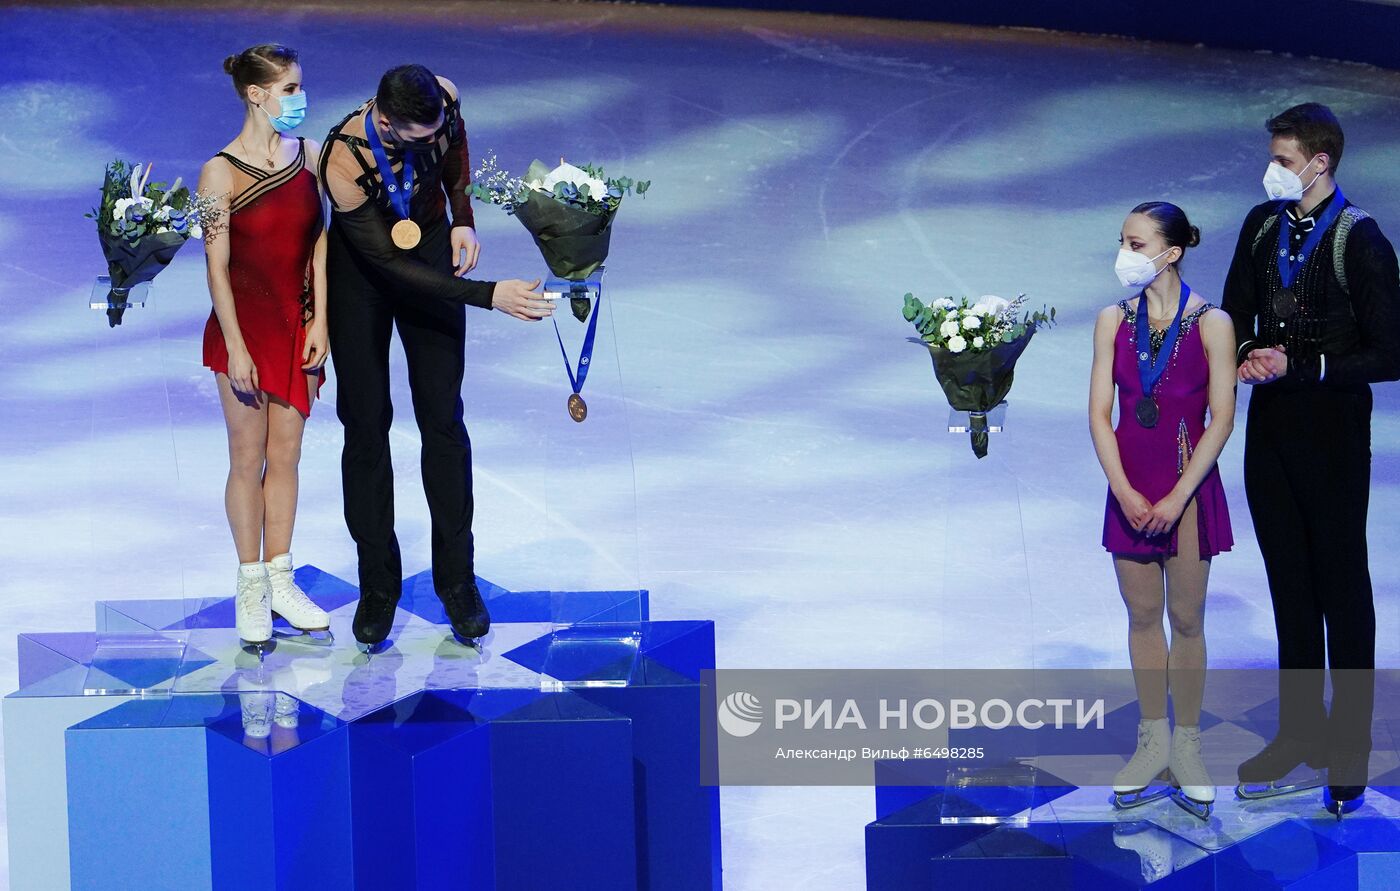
1283, 184
1137, 270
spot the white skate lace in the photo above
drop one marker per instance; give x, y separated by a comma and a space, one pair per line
1147, 750
1190, 769
251, 609
292, 595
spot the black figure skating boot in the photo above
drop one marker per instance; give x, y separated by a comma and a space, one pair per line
1346, 782
466, 611
374, 617
1274, 771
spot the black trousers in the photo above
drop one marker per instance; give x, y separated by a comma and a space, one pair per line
362, 310
1307, 471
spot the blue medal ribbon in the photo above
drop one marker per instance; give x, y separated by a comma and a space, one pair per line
1290, 265
585, 354
400, 190
1150, 370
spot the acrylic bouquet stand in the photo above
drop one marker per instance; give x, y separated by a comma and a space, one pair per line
104, 296
135, 654
986, 597
591, 496
988, 422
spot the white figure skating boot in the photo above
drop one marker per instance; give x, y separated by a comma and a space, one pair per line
255, 701
253, 605
291, 603
285, 711
1152, 845
1194, 792
1133, 786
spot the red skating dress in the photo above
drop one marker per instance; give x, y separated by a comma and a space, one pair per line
274, 221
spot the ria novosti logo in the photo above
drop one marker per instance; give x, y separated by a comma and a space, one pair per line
740, 714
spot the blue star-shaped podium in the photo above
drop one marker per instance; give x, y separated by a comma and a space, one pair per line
1069, 837
565, 753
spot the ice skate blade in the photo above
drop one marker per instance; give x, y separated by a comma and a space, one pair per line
473, 643
372, 649
259, 648
316, 637
1340, 809
1126, 801
1261, 791
1201, 810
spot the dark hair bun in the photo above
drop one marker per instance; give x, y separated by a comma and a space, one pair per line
259, 65
1171, 222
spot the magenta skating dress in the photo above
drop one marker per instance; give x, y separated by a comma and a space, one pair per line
1155, 457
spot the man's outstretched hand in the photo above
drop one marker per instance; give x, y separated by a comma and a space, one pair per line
519, 298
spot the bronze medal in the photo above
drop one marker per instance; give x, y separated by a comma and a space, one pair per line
1147, 411
1285, 303
406, 235
578, 409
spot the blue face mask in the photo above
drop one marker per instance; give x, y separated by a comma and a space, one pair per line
293, 112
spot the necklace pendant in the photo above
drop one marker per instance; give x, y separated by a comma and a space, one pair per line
270, 165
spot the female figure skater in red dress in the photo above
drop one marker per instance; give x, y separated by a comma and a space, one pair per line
266, 338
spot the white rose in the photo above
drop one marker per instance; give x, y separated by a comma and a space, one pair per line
956, 344
564, 173
196, 232
990, 305
944, 303
972, 323
119, 209
949, 328
977, 343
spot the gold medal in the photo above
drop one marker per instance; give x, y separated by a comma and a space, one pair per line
578, 409
406, 234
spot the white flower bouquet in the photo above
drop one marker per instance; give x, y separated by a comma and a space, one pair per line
568, 210
975, 345
141, 225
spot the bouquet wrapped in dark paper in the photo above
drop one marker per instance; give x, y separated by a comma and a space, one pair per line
141, 225
975, 345
568, 211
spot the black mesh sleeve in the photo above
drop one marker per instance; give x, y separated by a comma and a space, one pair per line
364, 230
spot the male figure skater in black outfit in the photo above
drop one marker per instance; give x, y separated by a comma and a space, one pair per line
392, 168
1315, 296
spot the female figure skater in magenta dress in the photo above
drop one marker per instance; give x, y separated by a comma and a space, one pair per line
1171, 356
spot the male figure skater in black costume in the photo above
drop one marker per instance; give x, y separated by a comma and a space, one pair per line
1315, 296
393, 169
